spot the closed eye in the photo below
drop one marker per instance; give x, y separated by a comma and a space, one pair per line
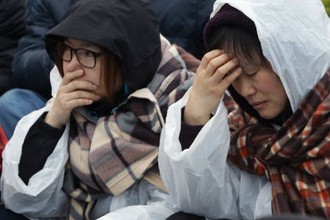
252, 74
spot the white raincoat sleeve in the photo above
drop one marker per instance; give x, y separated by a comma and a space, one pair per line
200, 180
43, 192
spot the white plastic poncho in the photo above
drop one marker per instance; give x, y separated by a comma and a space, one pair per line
43, 196
295, 38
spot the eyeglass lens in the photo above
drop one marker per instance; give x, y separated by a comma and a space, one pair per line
87, 58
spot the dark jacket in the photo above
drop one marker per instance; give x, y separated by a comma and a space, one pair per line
13, 16
31, 64
138, 49
182, 22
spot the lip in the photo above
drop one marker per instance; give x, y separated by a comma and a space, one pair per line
258, 104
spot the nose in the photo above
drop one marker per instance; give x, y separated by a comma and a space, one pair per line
245, 87
73, 64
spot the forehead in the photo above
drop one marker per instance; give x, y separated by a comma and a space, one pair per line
247, 56
80, 43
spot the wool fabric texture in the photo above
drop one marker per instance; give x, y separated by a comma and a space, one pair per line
121, 149
228, 15
295, 158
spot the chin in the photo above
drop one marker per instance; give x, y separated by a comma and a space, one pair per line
268, 116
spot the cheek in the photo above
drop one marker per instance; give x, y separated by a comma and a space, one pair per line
269, 83
275, 86
276, 91
282, 97
236, 84
93, 75
64, 67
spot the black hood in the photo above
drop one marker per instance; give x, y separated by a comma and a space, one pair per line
127, 28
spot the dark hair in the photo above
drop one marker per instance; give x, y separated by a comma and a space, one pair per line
111, 75
247, 47
233, 39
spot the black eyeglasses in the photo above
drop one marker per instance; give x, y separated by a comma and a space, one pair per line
86, 58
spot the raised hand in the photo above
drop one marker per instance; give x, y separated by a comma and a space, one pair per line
72, 93
215, 73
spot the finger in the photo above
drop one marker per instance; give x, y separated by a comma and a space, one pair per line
224, 70
218, 63
65, 103
81, 94
79, 85
74, 103
70, 76
210, 56
230, 78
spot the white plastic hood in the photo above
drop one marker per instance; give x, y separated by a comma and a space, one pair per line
295, 38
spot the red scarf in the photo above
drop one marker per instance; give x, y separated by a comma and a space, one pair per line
295, 158
3, 142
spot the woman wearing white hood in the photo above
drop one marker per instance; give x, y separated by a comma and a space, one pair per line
271, 155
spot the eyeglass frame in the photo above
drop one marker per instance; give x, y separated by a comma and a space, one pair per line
78, 55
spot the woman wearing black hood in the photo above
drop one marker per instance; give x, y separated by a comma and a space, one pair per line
93, 148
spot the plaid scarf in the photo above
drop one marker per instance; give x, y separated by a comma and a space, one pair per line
295, 158
109, 156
